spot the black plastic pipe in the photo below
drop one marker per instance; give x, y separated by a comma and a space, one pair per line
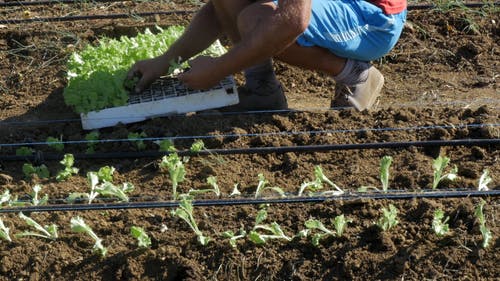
181, 12
250, 201
96, 17
40, 157
54, 2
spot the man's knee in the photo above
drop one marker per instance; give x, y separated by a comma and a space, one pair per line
252, 14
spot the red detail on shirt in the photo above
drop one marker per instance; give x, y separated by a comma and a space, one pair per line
390, 7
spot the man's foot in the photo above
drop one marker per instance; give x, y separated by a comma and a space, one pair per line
262, 98
362, 95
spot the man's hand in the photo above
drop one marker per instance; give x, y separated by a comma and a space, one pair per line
203, 73
147, 71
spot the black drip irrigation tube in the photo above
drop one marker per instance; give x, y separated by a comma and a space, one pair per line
181, 12
251, 201
96, 17
41, 157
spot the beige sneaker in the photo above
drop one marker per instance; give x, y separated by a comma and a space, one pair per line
265, 98
363, 95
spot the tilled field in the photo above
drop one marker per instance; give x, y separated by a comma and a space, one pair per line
441, 84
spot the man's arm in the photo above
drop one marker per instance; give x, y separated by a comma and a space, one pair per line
261, 40
203, 30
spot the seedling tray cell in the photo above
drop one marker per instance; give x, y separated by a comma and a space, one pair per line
166, 96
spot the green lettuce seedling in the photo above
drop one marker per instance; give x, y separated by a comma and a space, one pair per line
92, 139
78, 225
485, 231
235, 191
109, 189
438, 165
484, 180
105, 173
262, 186
185, 212
313, 225
41, 171
48, 231
34, 196
166, 145
24, 151
385, 164
388, 219
197, 146
233, 237
93, 180
212, 181
55, 143
137, 139
143, 240
317, 184
5, 197
4, 232
69, 170
440, 223
173, 164
271, 231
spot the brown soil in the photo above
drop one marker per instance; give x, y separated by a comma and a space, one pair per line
443, 72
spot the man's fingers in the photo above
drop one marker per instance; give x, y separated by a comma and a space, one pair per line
132, 72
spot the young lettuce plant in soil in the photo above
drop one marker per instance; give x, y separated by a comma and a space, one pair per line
42, 172
185, 212
212, 181
92, 139
175, 167
261, 233
24, 151
312, 225
4, 232
166, 145
262, 186
485, 231
55, 143
5, 197
439, 165
137, 139
35, 200
440, 223
78, 225
385, 164
47, 232
68, 162
316, 185
233, 237
388, 219
484, 180
143, 240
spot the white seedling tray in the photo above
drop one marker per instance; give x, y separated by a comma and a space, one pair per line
166, 96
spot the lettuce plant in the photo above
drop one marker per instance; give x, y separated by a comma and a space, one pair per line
440, 223
35, 200
143, 240
485, 231
185, 212
388, 219
212, 181
55, 143
262, 186
24, 151
166, 145
317, 184
40, 171
175, 167
233, 237
5, 197
261, 233
385, 164
439, 165
48, 231
92, 139
136, 137
4, 232
68, 170
78, 225
313, 225
484, 180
